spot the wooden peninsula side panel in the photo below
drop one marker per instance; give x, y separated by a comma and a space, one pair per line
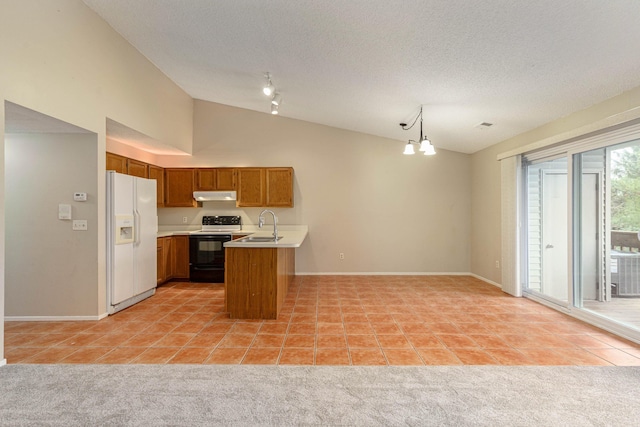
257, 281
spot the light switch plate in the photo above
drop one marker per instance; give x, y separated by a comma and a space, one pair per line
64, 211
79, 224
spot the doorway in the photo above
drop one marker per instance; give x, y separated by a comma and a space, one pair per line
51, 271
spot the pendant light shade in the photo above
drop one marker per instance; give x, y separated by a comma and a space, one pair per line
426, 147
429, 150
408, 149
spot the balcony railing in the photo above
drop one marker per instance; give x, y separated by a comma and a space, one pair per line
625, 241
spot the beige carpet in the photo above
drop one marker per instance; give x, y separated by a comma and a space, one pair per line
190, 395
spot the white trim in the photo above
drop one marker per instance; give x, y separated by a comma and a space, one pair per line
49, 318
510, 208
131, 301
484, 279
3, 362
589, 318
625, 118
608, 325
377, 273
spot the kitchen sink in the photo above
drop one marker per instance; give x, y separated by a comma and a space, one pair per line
259, 239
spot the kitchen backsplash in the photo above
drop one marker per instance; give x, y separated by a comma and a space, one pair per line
175, 216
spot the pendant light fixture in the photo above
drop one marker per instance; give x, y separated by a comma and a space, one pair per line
425, 144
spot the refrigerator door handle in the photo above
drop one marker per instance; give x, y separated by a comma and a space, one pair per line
136, 227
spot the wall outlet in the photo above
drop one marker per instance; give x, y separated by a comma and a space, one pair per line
79, 224
497, 264
341, 255
184, 219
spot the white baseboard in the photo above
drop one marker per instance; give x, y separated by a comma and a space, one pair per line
3, 362
377, 273
49, 318
491, 282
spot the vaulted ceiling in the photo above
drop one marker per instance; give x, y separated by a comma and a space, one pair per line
367, 65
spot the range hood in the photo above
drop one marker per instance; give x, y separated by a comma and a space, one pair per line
209, 196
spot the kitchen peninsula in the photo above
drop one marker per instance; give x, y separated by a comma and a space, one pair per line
258, 274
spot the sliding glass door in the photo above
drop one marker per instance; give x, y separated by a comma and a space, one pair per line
547, 248
582, 234
609, 283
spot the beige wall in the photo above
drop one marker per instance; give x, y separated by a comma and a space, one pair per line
357, 193
485, 177
50, 270
2, 233
61, 59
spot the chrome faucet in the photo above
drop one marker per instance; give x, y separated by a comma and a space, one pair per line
275, 222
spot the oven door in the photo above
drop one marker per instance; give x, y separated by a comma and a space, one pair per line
206, 257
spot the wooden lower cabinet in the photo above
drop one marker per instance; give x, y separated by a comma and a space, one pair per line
161, 275
168, 257
257, 281
180, 246
173, 258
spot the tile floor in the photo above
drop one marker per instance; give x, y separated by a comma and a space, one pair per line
330, 320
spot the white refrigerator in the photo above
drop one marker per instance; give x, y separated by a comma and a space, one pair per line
132, 229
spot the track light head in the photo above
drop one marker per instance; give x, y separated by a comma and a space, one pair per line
268, 89
277, 99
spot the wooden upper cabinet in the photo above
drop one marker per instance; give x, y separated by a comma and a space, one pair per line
279, 187
265, 187
251, 187
225, 179
178, 188
204, 179
157, 173
137, 168
116, 163
212, 179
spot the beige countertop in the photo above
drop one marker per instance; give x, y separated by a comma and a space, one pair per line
292, 236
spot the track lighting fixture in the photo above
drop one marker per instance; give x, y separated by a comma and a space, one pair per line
268, 89
425, 144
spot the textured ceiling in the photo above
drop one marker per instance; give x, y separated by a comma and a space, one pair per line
367, 65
